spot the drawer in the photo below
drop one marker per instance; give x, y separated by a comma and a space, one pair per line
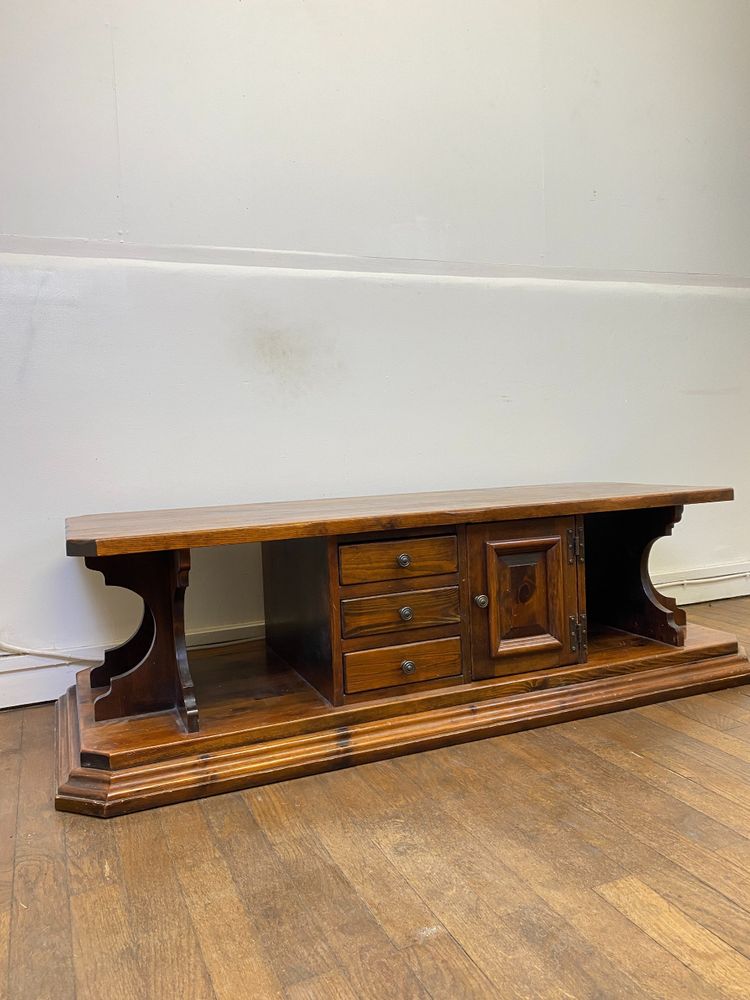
395, 612
368, 562
407, 664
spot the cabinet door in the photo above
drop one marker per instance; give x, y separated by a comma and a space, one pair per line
524, 596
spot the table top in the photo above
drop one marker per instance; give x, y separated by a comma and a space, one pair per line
193, 527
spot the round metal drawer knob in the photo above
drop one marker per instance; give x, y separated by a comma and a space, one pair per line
408, 666
406, 614
404, 560
481, 600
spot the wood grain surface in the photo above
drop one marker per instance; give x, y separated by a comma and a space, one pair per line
146, 531
369, 561
411, 609
370, 669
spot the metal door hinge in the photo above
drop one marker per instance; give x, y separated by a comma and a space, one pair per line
576, 546
579, 637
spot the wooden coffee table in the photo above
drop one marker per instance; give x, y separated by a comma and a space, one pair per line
394, 624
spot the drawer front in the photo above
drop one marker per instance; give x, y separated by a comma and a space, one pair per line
395, 612
368, 562
407, 664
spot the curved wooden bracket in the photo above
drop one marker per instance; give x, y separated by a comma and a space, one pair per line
149, 672
619, 589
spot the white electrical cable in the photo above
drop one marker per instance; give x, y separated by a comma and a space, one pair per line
706, 579
47, 654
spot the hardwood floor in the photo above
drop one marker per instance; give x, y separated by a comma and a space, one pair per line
603, 858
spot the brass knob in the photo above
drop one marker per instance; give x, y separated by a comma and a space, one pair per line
408, 666
406, 614
481, 600
404, 560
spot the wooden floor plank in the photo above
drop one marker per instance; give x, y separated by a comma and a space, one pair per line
703, 905
558, 849
283, 915
104, 953
608, 856
338, 813
374, 966
231, 950
446, 971
711, 711
40, 960
738, 698
714, 769
333, 985
92, 854
11, 728
491, 945
5, 953
618, 742
376, 971
440, 847
708, 956
668, 811
10, 772
468, 910
729, 742
399, 910
166, 944
742, 733
684, 756
674, 831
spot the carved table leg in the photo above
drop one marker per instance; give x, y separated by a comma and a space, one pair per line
619, 591
149, 672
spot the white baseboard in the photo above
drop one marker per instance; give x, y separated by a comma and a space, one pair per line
226, 633
709, 583
27, 679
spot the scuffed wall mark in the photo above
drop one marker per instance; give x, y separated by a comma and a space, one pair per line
282, 354
291, 360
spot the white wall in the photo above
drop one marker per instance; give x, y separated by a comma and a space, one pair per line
540, 218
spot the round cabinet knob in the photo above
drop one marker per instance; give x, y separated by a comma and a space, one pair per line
481, 600
406, 614
404, 560
408, 666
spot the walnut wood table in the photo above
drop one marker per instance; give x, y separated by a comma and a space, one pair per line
393, 624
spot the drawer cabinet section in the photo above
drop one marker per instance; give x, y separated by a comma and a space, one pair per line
369, 562
410, 663
395, 612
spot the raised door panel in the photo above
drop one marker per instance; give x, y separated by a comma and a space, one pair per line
524, 588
